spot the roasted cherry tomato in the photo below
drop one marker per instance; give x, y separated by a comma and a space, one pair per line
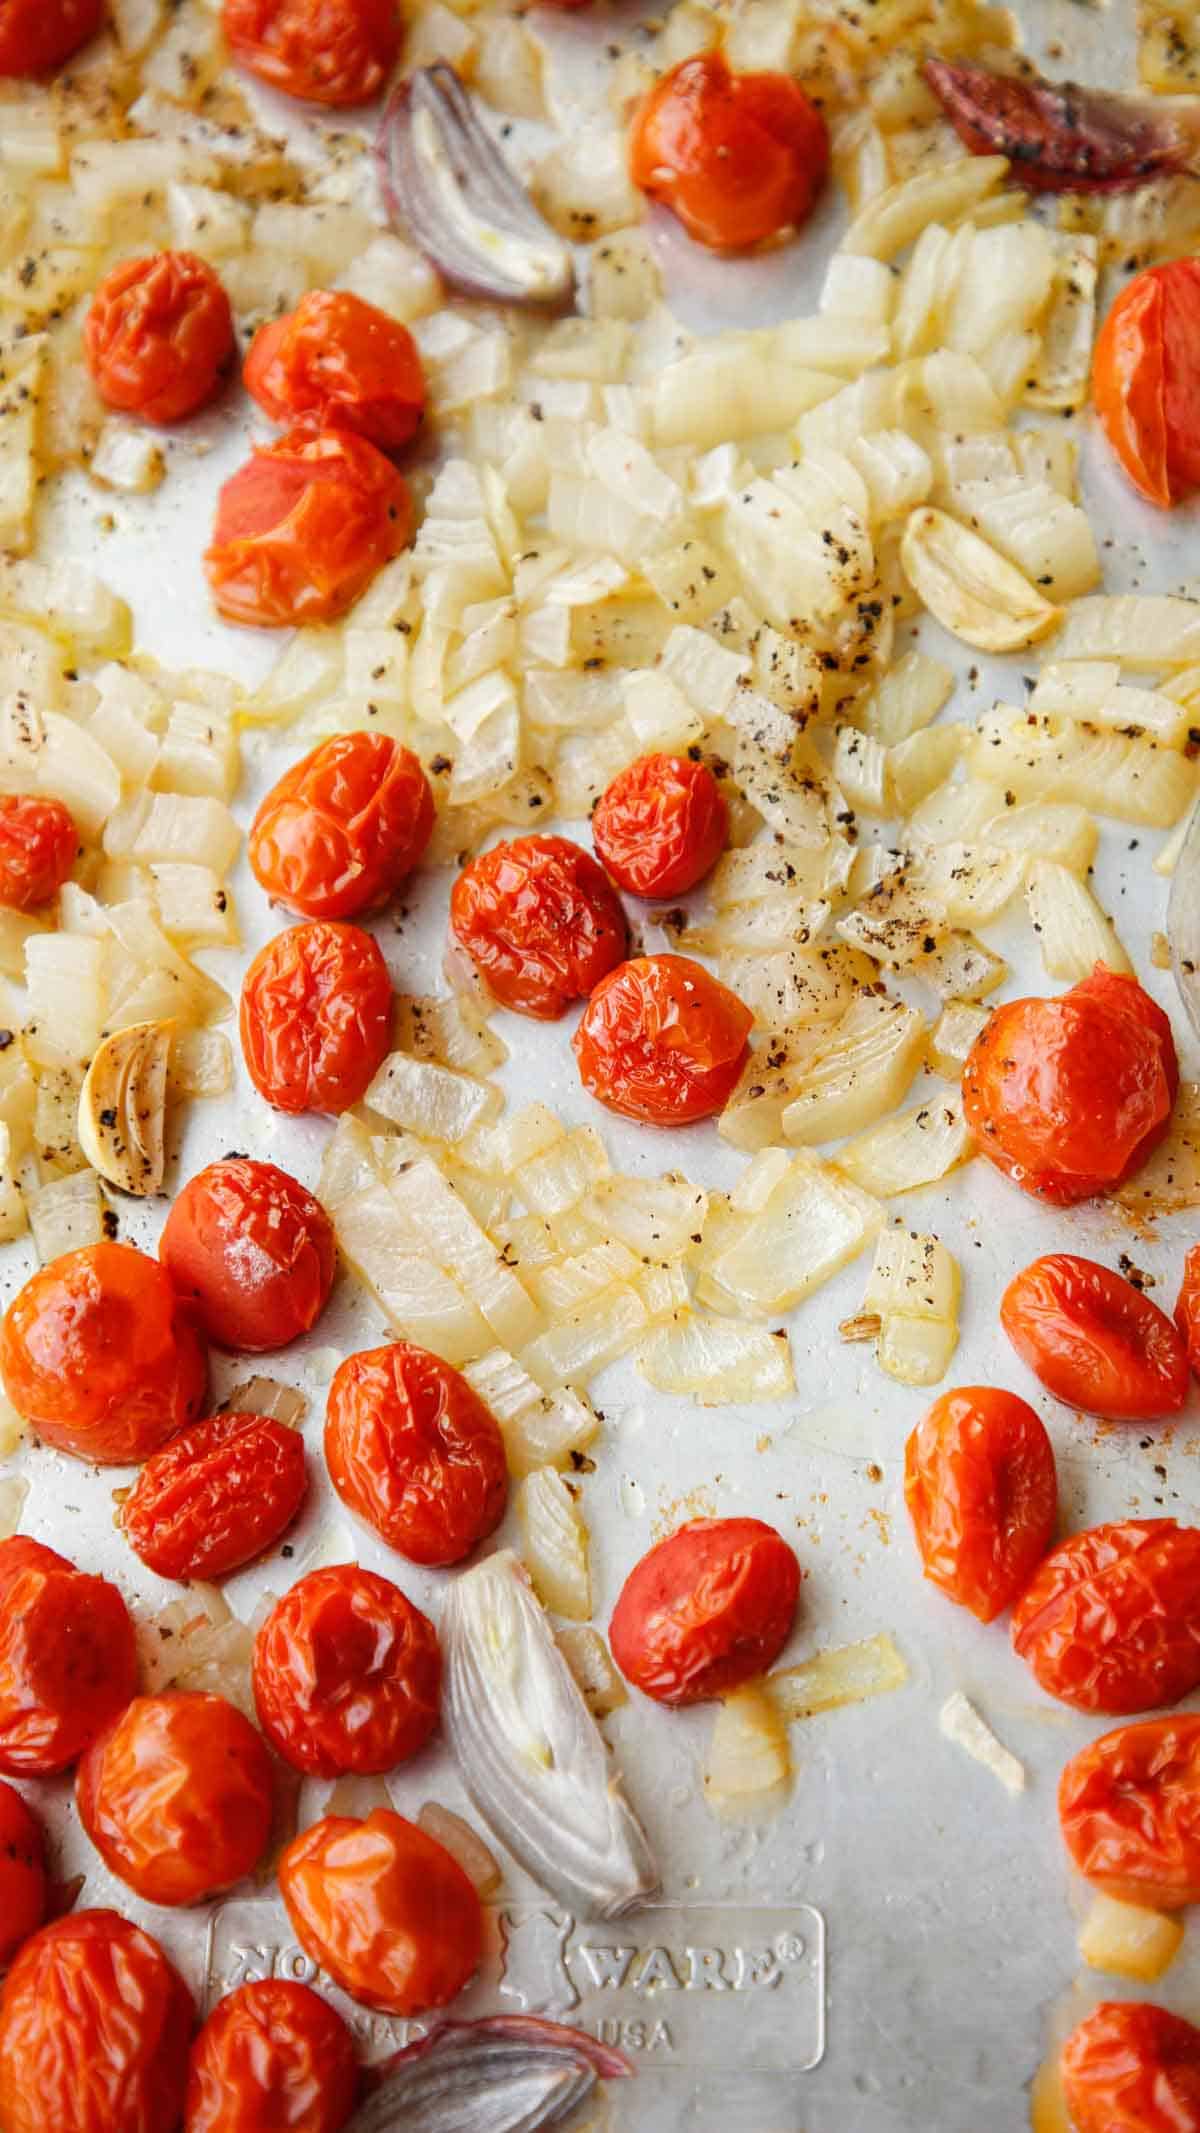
177, 1796
1111, 1619
253, 1253
98, 1352
347, 1674
68, 1658
1187, 1308
341, 830
304, 526
412, 1449
540, 921
1129, 1810
273, 2057
662, 1041
982, 1493
705, 1610
215, 1497
661, 825
325, 51
1132, 2068
341, 363
1068, 1096
38, 847
384, 1909
1146, 380
36, 35
22, 1872
316, 1017
1095, 1341
737, 157
95, 2025
158, 336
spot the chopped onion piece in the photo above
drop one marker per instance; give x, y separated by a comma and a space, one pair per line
556, 1544
1073, 932
268, 1396
432, 1101
539, 1428
716, 1361
14, 1488
850, 1673
1128, 1941
65, 1214
1169, 1180
591, 1662
962, 1724
462, 1843
913, 1149
749, 1762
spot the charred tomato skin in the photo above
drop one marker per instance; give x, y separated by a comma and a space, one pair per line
982, 1493
1110, 1620
705, 1610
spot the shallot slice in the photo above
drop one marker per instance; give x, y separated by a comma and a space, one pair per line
508, 2074
1061, 137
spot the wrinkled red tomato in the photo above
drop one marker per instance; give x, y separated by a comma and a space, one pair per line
1068, 1096
177, 1796
304, 526
1187, 1307
540, 921
661, 825
1111, 1619
253, 1253
1132, 2068
707, 1609
215, 1497
662, 1041
94, 2031
347, 1674
982, 1493
98, 1352
384, 1909
68, 1658
340, 362
36, 35
739, 158
273, 2057
413, 1450
158, 336
1095, 1341
316, 1017
341, 830
1146, 380
1129, 1811
324, 51
22, 1872
38, 847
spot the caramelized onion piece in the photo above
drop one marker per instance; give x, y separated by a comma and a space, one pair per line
1063, 138
508, 2074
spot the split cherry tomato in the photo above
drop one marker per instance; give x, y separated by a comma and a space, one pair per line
1068, 1096
1095, 1341
738, 158
304, 526
540, 921
1146, 380
316, 1017
347, 1674
1187, 1308
1129, 1810
1111, 1619
384, 1909
273, 2057
94, 2031
158, 336
253, 1253
341, 363
707, 1609
413, 1450
323, 51
68, 1658
662, 1041
661, 825
98, 1352
22, 1872
341, 830
1132, 2068
982, 1493
38, 847
36, 35
215, 1497
177, 1796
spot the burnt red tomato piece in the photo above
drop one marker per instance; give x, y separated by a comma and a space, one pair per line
316, 1017
662, 1041
982, 1493
1095, 1341
1111, 1619
739, 158
661, 825
1129, 1811
339, 362
541, 922
68, 1658
1059, 136
273, 2057
253, 1253
159, 336
413, 1450
215, 1497
707, 1609
1146, 380
22, 1872
303, 527
384, 1909
341, 830
1131, 2067
347, 1674
323, 51
39, 844
36, 35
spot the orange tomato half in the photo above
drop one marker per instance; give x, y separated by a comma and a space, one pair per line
737, 157
303, 527
1146, 380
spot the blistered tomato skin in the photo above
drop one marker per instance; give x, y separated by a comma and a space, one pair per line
316, 1017
705, 1610
22, 1872
68, 1659
661, 825
384, 1909
1129, 1811
273, 2057
739, 158
1069, 1096
347, 1674
337, 52
662, 1041
343, 828
1131, 2067
252, 1252
982, 1493
1096, 1342
303, 527
217, 1496
339, 361
38, 847
540, 921
1111, 1620
1146, 380
36, 35
100, 1355
159, 336
412, 1449
1187, 1308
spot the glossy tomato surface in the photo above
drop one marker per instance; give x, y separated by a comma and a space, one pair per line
541, 922
304, 526
338, 361
1129, 1811
252, 1252
384, 1909
1068, 1096
413, 1450
94, 2031
1131, 2067
347, 1674
1146, 380
1187, 1307
68, 1658
159, 336
1111, 1619
739, 158
662, 1041
176, 1795
707, 1609
22, 1872
1095, 1341
661, 825
316, 1017
343, 828
214, 1498
98, 1352
323, 51
982, 1494
273, 2057
38, 847
36, 35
